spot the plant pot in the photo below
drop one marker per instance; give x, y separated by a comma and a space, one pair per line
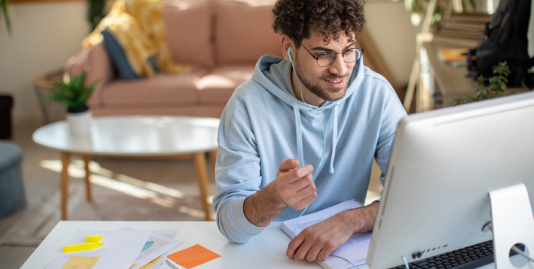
79, 123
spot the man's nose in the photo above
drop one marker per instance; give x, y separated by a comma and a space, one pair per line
339, 67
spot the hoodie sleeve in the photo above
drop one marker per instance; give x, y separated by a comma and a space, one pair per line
237, 173
392, 113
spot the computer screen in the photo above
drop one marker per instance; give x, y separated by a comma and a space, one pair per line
442, 166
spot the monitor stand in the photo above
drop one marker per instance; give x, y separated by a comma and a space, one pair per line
513, 223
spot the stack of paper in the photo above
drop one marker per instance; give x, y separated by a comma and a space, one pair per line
125, 248
356, 248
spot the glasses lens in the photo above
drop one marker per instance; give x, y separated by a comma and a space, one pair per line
351, 55
326, 59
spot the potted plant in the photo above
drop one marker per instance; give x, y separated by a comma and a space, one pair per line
74, 95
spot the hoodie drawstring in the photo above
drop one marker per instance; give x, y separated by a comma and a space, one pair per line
298, 126
334, 140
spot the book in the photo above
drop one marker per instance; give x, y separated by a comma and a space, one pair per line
354, 250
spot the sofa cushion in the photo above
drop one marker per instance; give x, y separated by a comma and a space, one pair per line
217, 87
189, 31
161, 89
243, 33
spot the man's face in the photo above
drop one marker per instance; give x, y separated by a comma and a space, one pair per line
328, 83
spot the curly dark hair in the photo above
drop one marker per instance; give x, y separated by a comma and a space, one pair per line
295, 18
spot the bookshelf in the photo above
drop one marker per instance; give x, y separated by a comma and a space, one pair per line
441, 82
438, 83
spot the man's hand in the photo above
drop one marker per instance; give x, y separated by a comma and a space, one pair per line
320, 240
295, 186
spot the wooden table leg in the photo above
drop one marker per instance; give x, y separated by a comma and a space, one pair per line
65, 160
87, 161
213, 157
202, 177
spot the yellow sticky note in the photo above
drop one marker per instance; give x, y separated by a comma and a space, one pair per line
77, 262
193, 256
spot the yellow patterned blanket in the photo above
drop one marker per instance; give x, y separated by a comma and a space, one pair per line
139, 27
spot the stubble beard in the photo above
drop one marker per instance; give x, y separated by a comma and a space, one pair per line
320, 91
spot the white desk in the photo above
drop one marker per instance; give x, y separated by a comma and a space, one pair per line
267, 250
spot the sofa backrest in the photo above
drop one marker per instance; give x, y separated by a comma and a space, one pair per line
220, 32
189, 32
243, 32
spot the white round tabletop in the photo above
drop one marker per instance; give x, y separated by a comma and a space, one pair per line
134, 136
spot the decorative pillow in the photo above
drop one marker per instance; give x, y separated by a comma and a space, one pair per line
119, 59
138, 29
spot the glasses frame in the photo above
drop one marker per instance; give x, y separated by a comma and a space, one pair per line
335, 55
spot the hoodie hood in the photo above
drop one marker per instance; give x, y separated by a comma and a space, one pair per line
274, 74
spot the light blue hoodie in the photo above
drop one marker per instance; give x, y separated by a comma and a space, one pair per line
263, 123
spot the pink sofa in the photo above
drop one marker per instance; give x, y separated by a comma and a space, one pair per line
224, 38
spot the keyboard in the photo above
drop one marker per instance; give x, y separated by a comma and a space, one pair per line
465, 258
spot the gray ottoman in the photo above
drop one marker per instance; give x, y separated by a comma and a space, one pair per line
12, 197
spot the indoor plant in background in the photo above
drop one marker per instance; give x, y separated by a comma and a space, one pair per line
5, 10
74, 95
418, 7
95, 12
487, 88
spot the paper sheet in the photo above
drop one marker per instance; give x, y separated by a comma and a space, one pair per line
354, 250
77, 262
120, 249
160, 262
155, 246
193, 256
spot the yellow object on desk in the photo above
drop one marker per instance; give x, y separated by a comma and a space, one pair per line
93, 238
82, 246
92, 243
81, 262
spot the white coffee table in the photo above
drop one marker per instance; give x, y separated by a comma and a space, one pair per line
134, 136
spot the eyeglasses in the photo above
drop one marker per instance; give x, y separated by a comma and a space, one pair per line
328, 58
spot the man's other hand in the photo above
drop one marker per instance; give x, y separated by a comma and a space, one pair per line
319, 240
294, 185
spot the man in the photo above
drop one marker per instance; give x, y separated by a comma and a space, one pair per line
302, 136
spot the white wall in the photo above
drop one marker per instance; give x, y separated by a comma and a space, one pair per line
45, 35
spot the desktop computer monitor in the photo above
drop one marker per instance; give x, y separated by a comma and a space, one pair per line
443, 165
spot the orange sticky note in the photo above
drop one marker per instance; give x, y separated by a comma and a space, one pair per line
193, 256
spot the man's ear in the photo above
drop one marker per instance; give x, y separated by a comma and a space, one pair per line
286, 43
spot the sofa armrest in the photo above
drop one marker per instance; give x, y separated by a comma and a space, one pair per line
97, 66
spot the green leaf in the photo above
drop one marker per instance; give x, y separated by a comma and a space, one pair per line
494, 79
7, 19
78, 82
72, 94
503, 85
